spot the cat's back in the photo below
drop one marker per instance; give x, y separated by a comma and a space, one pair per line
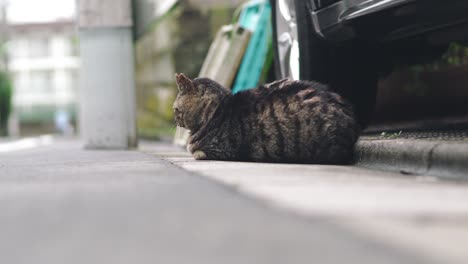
288, 97
297, 121
287, 87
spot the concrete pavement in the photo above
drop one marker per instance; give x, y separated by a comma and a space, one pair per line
422, 214
62, 204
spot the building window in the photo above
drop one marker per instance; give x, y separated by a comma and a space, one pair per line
74, 46
41, 82
20, 84
17, 48
39, 47
70, 84
75, 80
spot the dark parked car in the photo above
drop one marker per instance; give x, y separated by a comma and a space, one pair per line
350, 43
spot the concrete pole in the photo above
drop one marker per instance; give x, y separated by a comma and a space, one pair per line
107, 89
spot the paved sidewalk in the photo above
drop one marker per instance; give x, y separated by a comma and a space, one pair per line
62, 204
422, 214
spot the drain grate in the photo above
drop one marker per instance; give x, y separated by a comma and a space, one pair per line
445, 135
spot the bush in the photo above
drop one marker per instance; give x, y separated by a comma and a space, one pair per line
5, 102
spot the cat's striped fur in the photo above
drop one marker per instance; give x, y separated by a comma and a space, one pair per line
285, 121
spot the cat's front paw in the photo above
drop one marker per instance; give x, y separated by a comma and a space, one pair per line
190, 148
199, 155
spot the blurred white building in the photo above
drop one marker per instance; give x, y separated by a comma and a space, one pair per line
44, 62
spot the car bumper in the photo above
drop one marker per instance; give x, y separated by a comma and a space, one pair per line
329, 22
390, 19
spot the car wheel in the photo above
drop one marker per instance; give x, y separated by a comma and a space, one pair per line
300, 54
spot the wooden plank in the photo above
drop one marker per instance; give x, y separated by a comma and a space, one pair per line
225, 55
215, 57
233, 57
105, 13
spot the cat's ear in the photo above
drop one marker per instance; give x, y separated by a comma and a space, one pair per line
184, 84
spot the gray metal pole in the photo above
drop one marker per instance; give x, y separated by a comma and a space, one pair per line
107, 89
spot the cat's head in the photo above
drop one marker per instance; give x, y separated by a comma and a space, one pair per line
196, 101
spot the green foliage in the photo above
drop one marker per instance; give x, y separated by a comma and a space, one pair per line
456, 55
155, 117
5, 101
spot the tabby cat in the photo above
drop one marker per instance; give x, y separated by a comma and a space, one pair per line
284, 121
